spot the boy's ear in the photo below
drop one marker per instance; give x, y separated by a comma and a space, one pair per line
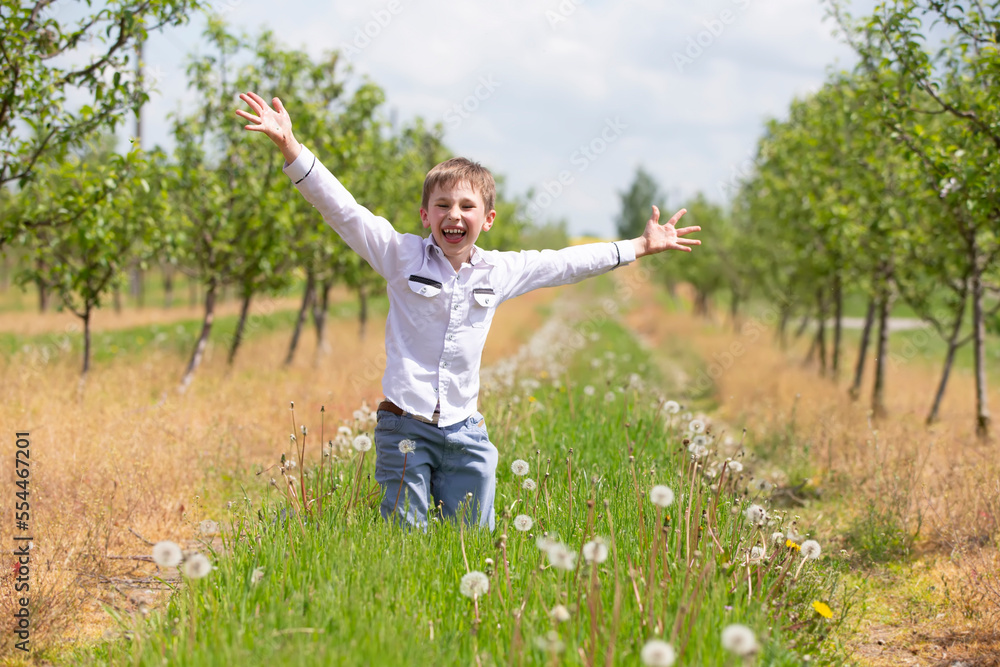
489, 220
424, 219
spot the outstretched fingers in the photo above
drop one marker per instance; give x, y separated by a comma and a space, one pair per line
684, 231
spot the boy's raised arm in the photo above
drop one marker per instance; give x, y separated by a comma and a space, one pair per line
275, 123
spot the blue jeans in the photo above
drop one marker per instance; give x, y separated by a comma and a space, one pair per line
448, 463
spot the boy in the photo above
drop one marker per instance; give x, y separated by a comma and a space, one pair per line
443, 291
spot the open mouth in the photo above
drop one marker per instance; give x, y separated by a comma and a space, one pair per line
453, 234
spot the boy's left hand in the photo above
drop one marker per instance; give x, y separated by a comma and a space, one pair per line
658, 238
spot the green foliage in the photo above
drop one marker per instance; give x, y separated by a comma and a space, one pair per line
35, 118
637, 205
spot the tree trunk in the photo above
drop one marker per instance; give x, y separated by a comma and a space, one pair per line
307, 298
821, 329
238, 334
320, 312
362, 310
117, 300
193, 292
838, 315
168, 287
43, 294
881, 353
859, 368
734, 310
784, 317
803, 324
206, 329
137, 286
949, 359
979, 347
86, 340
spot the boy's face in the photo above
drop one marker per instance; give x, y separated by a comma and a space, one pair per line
456, 215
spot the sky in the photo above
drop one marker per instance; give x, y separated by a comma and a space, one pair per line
565, 98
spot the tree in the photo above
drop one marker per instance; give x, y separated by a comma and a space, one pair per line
35, 119
637, 204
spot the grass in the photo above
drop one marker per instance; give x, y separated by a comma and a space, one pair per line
341, 586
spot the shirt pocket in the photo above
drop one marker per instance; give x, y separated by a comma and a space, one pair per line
484, 301
423, 307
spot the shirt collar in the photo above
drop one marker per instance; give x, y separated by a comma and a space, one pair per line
480, 258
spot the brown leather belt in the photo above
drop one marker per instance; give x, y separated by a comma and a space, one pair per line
392, 408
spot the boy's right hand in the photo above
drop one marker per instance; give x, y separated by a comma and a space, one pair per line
275, 123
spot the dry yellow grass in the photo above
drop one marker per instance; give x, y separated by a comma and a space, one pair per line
131, 459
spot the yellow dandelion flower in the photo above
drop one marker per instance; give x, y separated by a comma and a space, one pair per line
532, 399
792, 545
823, 609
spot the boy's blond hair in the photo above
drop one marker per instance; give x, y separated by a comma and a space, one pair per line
461, 170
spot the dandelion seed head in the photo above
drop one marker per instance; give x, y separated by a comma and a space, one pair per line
345, 431
761, 485
305, 431
699, 440
523, 522
700, 452
696, 426
559, 613
362, 443
595, 551
167, 554
811, 549
562, 557
739, 639
519, 467
756, 553
777, 538
475, 584
208, 527
196, 566
550, 642
256, 576
290, 464
658, 653
755, 514
528, 484
358, 415
671, 407
735, 467
588, 390
407, 446
609, 397
662, 496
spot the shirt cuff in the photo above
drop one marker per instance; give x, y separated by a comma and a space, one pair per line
626, 252
302, 166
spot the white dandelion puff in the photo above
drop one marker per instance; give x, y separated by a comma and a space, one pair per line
528, 484
761, 485
167, 554
588, 390
562, 557
595, 551
699, 440
362, 443
777, 538
671, 407
559, 613
609, 397
756, 553
658, 653
755, 514
519, 467
256, 576
811, 549
696, 426
208, 527
662, 496
523, 522
735, 467
739, 639
345, 431
290, 464
407, 446
196, 566
700, 451
475, 584
358, 415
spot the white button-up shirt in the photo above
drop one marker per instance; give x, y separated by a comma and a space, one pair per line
438, 317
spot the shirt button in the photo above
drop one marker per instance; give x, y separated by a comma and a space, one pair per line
451, 336
455, 307
444, 364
